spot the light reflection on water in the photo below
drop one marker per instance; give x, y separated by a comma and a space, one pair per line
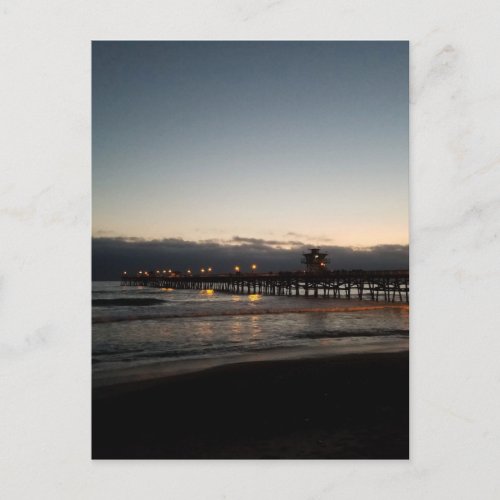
188, 324
254, 297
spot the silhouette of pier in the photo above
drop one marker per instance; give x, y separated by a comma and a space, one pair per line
390, 286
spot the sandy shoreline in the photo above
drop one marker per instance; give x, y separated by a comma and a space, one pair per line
350, 406
120, 378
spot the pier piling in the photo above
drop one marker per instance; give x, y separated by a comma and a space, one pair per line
393, 286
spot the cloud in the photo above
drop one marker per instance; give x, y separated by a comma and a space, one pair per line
111, 256
320, 237
257, 242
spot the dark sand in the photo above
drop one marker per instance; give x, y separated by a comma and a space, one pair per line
351, 406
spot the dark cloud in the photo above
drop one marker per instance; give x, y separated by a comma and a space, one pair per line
111, 256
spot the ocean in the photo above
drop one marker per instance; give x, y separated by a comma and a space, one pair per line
140, 332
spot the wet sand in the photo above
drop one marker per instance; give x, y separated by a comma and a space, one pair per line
342, 407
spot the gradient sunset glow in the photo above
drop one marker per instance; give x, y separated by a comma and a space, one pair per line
279, 141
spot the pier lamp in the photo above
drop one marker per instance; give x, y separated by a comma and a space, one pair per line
157, 272
254, 267
164, 271
189, 271
170, 270
124, 272
140, 272
202, 269
209, 269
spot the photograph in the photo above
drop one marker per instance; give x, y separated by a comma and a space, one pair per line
250, 250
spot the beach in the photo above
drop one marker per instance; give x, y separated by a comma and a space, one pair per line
352, 406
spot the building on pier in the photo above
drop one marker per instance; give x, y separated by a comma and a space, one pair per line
316, 262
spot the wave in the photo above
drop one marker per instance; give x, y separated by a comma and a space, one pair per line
106, 352
129, 355
253, 312
358, 333
126, 302
227, 349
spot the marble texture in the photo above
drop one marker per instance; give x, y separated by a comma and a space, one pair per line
45, 217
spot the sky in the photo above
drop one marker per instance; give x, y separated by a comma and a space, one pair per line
222, 143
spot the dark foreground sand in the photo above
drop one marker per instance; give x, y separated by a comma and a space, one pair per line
351, 406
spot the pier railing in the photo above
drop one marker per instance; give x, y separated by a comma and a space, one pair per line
392, 286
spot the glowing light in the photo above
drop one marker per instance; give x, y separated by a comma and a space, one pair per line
237, 269
254, 267
124, 272
202, 269
140, 272
170, 270
157, 272
209, 269
189, 271
207, 292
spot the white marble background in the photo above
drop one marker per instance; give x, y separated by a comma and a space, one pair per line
45, 217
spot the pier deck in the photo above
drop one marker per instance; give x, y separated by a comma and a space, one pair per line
391, 286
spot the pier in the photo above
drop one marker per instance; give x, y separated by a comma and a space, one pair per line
389, 286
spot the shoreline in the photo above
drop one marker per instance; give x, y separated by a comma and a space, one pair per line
122, 376
340, 406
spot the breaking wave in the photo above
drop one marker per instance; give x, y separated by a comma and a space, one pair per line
128, 355
357, 333
253, 312
126, 302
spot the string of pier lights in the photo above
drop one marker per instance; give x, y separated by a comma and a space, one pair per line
203, 270
237, 269
253, 267
146, 273
158, 272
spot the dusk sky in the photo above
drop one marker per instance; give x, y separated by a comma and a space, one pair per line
287, 142
281, 140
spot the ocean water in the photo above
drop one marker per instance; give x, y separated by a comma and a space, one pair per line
139, 330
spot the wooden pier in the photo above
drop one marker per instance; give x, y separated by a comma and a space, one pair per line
390, 286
